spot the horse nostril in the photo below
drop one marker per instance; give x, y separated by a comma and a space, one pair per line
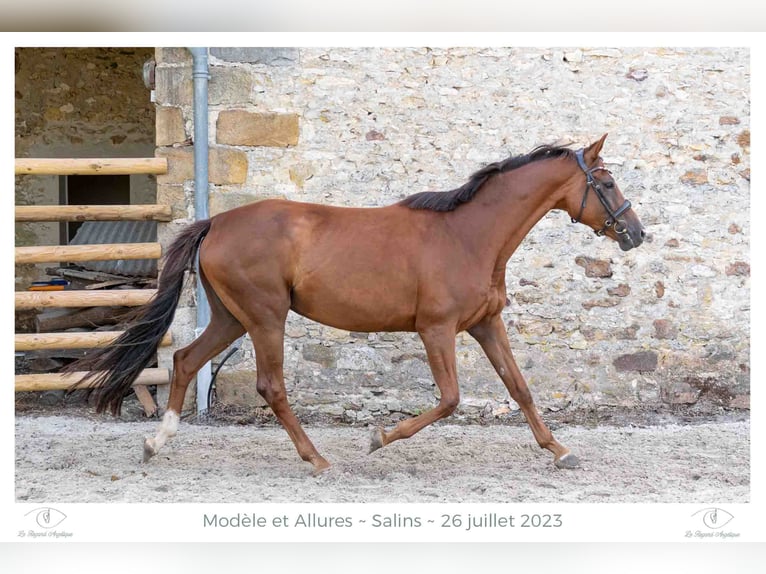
643, 233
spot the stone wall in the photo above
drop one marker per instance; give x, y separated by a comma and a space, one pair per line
78, 102
663, 325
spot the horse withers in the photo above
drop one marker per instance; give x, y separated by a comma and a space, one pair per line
433, 263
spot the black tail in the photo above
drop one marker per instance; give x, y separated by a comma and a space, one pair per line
115, 368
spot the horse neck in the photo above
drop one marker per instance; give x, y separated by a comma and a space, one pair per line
510, 204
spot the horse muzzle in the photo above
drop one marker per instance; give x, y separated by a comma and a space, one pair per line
628, 236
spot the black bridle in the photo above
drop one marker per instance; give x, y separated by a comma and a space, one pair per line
613, 221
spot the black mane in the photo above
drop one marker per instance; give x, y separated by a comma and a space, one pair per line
450, 200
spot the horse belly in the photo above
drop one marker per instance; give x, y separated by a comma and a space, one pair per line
365, 302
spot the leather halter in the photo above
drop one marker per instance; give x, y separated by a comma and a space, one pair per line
613, 221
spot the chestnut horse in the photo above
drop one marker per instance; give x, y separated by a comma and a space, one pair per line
433, 263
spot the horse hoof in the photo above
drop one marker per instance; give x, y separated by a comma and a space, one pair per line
149, 450
567, 461
321, 468
376, 439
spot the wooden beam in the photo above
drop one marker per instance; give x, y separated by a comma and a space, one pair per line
81, 298
62, 381
92, 166
98, 252
61, 319
87, 275
146, 400
40, 341
93, 213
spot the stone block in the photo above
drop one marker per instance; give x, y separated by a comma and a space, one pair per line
594, 267
225, 166
170, 127
642, 361
180, 165
695, 177
241, 127
237, 387
740, 402
362, 358
743, 140
738, 268
300, 174
229, 86
591, 303
174, 86
622, 290
173, 195
664, 329
535, 328
221, 201
325, 356
627, 333
681, 394
173, 56
268, 56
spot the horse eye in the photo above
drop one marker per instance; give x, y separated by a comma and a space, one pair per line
609, 184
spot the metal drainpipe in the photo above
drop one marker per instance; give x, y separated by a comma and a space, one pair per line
201, 75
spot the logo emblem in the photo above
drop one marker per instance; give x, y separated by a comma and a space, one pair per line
714, 518
47, 517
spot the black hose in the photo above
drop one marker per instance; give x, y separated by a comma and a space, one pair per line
233, 349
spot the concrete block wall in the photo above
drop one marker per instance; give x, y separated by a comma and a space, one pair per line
663, 325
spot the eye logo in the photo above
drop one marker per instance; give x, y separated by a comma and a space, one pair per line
47, 517
714, 518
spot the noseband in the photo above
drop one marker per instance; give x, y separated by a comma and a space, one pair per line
613, 221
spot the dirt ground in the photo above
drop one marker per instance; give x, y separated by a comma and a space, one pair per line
78, 457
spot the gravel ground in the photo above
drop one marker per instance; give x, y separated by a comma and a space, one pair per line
97, 459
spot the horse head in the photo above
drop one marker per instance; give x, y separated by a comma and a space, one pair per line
611, 215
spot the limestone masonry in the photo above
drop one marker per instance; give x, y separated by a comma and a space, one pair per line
665, 324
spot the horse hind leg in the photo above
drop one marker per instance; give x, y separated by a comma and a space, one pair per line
262, 307
222, 330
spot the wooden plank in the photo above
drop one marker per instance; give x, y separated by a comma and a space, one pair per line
103, 284
93, 213
98, 252
146, 400
88, 275
62, 381
114, 298
62, 319
95, 339
92, 166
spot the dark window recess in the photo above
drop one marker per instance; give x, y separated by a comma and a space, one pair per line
91, 190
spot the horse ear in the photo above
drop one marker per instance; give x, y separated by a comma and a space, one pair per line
592, 151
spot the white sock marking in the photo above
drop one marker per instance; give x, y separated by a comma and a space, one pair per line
168, 429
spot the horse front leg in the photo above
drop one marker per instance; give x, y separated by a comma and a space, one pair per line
440, 349
493, 338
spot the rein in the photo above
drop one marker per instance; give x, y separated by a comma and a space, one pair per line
613, 221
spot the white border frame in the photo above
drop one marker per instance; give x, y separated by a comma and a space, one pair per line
582, 523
